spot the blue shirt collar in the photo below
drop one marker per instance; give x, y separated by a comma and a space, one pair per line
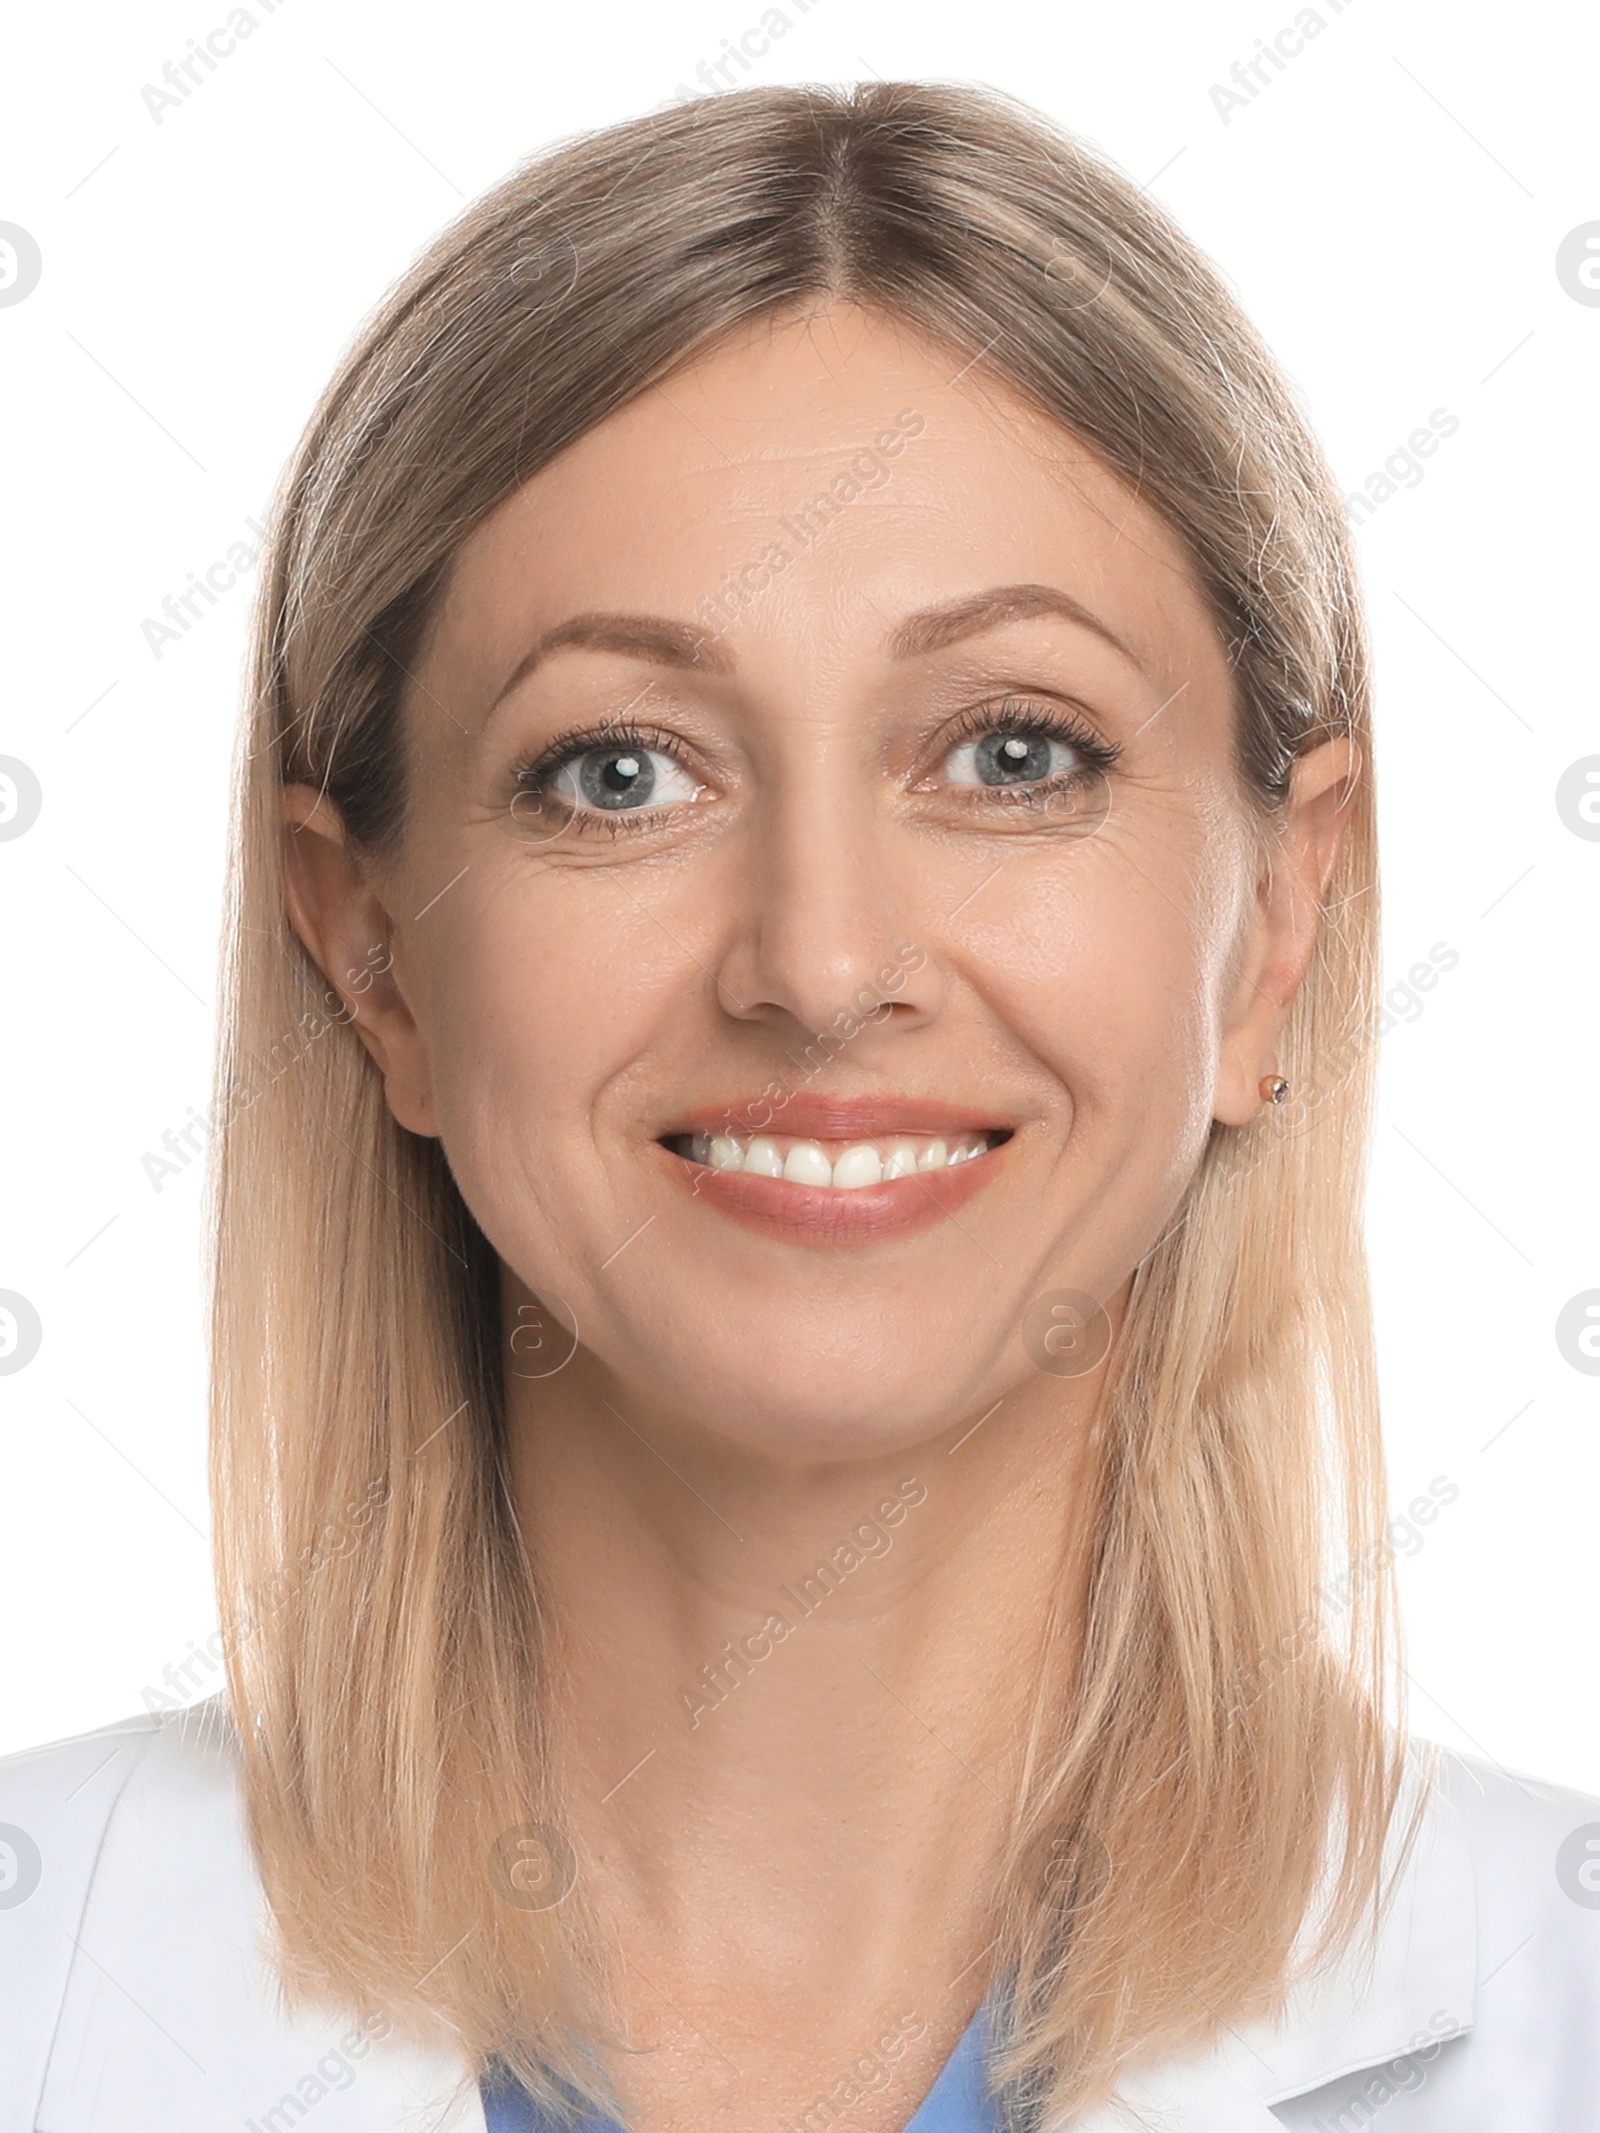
960, 2100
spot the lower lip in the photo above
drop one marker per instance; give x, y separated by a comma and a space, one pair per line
831, 1214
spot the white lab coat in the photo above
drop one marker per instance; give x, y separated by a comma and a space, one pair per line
135, 1996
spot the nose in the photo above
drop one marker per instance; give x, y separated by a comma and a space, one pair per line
822, 937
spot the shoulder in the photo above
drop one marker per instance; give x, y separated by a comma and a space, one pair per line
62, 1807
56, 1799
136, 1967
1496, 1947
55, 1803
1494, 1800
1535, 1852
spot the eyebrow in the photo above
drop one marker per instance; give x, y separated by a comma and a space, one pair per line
932, 629
652, 637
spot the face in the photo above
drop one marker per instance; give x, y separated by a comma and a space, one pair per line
828, 918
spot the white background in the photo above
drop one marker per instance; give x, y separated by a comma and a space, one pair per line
1389, 208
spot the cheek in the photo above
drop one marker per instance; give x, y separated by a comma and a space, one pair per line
1109, 975
533, 1002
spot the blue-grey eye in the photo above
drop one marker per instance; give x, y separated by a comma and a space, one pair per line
622, 776
1010, 759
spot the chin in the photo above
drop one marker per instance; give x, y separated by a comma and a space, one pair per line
786, 1399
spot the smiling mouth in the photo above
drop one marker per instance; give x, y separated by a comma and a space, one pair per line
832, 1165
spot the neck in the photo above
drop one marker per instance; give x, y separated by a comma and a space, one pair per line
760, 1666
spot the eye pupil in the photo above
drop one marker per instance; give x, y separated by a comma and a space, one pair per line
1012, 758
613, 777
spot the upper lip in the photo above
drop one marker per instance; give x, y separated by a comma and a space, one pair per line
838, 1118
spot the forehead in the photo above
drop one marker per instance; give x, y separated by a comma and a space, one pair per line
890, 470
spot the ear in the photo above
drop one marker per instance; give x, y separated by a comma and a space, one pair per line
1282, 935
340, 917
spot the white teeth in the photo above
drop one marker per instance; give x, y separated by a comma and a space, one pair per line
847, 1169
860, 1165
764, 1158
900, 1158
806, 1164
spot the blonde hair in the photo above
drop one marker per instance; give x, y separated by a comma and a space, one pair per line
1211, 1764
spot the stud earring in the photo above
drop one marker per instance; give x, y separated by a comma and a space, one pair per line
1273, 1088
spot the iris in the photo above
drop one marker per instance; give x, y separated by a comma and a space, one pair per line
612, 777
1012, 758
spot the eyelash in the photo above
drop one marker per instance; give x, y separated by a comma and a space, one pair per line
1022, 715
1010, 714
533, 773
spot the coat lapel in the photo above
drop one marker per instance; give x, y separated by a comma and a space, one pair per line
1410, 1983
171, 2021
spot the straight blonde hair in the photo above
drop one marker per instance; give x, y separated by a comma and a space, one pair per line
1211, 1765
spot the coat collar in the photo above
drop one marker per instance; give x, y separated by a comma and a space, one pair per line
1412, 1982
171, 2022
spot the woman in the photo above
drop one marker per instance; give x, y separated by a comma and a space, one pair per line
796, 1471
